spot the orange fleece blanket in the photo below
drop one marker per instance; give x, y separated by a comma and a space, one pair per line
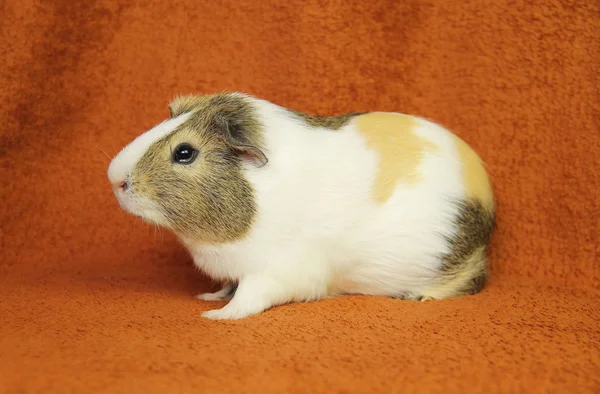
94, 301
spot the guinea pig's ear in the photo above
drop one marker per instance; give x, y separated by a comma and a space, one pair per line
235, 137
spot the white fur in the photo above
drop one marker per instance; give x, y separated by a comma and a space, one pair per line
123, 163
319, 231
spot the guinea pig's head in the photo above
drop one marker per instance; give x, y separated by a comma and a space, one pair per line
187, 173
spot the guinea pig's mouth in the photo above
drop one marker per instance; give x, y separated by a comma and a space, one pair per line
139, 206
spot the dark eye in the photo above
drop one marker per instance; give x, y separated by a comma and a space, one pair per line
184, 154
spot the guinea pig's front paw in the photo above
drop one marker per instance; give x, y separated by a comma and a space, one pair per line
217, 296
225, 294
238, 308
225, 314
253, 295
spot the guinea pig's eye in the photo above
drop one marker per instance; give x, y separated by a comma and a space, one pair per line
184, 154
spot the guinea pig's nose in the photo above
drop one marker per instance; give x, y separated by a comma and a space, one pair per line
123, 185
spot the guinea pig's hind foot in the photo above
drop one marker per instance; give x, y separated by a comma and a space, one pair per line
413, 297
225, 294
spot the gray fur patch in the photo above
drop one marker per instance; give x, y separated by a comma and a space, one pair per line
330, 122
469, 247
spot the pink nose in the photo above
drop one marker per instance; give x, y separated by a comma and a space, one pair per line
124, 185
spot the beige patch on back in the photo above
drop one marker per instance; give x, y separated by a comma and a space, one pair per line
475, 177
400, 149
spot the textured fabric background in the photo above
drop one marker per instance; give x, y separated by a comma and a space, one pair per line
93, 300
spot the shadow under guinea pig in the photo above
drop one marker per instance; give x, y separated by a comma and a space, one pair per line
164, 267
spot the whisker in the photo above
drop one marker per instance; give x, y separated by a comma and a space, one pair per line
109, 158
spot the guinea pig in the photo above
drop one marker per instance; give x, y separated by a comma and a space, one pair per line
280, 206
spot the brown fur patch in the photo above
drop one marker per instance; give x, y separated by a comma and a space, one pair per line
400, 149
329, 122
465, 268
182, 104
208, 200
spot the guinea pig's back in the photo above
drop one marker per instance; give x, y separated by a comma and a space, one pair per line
420, 157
